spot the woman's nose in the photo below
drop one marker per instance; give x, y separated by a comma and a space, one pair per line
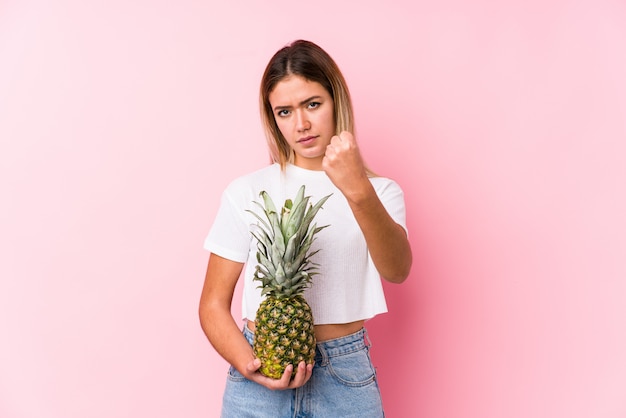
302, 121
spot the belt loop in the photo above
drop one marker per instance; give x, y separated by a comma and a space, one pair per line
323, 354
368, 342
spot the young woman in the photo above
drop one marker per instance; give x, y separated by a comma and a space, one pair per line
307, 114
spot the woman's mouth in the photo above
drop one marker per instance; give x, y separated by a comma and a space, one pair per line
306, 140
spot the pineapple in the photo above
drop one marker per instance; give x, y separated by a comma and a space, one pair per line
284, 322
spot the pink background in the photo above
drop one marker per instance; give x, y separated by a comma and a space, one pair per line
122, 121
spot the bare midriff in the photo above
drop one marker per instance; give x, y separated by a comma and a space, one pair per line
328, 331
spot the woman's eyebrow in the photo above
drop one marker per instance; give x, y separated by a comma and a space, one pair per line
305, 101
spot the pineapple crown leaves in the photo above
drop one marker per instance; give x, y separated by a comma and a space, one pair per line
283, 244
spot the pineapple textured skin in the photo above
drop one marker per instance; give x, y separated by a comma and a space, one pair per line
284, 334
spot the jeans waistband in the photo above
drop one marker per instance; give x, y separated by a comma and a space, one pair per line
344, 345
330, 348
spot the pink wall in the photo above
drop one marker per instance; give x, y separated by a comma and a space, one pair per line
122, 121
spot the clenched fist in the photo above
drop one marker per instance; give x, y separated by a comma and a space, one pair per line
344, 165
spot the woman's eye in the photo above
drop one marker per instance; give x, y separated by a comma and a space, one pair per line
314, 105
283, 113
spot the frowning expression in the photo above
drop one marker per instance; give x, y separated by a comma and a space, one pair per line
304, 113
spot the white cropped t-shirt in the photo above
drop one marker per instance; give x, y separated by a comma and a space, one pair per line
348, 287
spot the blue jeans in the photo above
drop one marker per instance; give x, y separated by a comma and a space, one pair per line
343, 385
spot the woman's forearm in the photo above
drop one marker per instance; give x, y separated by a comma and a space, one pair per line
386, 240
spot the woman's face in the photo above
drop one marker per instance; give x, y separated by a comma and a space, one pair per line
304, 113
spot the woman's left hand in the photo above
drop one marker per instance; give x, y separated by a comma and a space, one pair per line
344, 165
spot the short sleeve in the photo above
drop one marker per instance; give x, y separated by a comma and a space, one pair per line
392, 198
229, 236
